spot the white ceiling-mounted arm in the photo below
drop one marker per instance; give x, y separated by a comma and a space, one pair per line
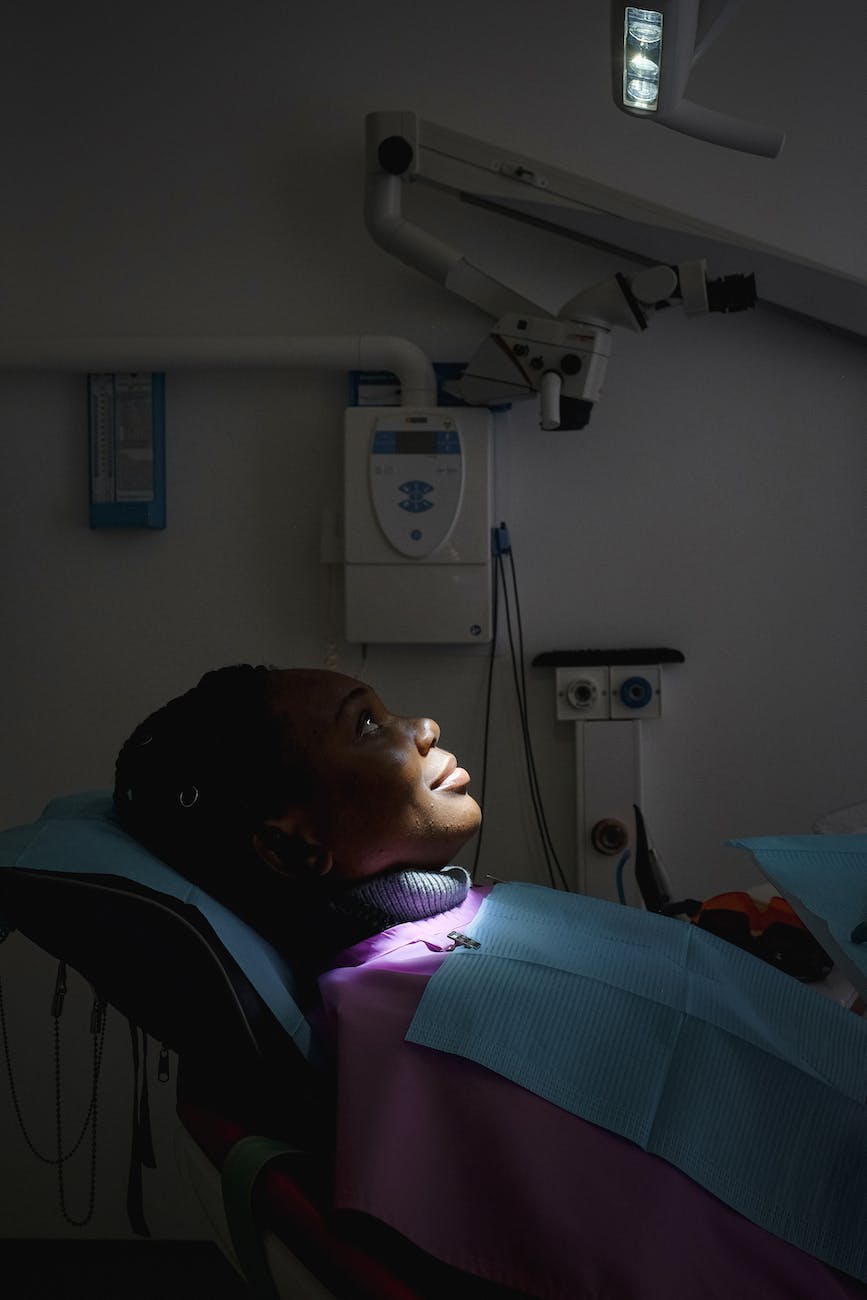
529, 350
392, 158
729, 132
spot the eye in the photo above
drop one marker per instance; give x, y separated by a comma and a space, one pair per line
367, 724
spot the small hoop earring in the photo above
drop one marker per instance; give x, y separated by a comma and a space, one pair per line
188, 797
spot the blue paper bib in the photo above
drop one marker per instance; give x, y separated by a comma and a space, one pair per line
752, 1084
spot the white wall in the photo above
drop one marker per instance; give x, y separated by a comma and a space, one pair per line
714, 504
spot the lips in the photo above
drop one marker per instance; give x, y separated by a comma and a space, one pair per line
451, 776
455, 780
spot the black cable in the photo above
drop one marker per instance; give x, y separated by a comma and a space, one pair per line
519, 678
500, 546
495, 630
543, 821
522, 713
16, 1103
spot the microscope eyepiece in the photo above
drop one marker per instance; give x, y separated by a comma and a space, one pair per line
731, 293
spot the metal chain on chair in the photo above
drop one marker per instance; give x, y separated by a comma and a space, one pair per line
97, 1030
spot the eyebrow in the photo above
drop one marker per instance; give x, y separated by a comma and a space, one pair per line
347, 699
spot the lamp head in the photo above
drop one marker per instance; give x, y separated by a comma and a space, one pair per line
653, 51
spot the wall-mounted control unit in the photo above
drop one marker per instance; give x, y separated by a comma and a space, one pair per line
418, 522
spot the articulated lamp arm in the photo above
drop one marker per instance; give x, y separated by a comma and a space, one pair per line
529, 350
391, 162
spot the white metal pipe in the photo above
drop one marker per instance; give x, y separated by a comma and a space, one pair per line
151, 352
416, 248
580, 809
720, 128
385, 221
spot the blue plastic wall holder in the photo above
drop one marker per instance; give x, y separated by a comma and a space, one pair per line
382, 388
127, 445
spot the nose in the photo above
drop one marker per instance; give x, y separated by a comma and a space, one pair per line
427, 733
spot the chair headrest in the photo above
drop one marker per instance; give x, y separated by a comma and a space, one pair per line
78, 885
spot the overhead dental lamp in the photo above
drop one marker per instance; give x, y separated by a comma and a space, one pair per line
653, 52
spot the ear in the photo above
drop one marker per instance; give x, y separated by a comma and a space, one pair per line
288, 846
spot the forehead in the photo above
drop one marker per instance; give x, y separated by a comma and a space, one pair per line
307, 697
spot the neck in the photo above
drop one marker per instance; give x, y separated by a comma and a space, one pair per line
356, 910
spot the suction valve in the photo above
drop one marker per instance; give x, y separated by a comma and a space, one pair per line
609, 836
583, 693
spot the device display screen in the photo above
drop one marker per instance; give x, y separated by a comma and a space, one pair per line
416, 442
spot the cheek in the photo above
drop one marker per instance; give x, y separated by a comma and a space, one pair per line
382, 797
390, 789
370, 808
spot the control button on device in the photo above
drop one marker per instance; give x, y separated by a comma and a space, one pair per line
416, 499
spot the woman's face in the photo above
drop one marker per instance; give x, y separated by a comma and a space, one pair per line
382, 793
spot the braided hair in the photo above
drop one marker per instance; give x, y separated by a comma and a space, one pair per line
199, 776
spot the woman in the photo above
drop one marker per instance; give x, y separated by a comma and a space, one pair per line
297, 799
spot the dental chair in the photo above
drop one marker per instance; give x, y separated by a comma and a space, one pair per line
254, 1099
